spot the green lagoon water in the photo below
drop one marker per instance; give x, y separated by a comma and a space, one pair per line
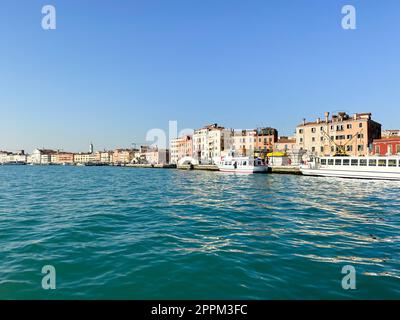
124, 233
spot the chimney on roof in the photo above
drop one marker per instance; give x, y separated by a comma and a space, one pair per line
318, 120
326, 116
304, 121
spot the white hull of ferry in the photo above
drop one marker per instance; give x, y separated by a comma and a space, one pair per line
243, 170
389, 168
351, 174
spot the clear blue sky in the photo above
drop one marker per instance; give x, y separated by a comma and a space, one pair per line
114, 69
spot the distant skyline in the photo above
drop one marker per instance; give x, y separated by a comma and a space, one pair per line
112, 70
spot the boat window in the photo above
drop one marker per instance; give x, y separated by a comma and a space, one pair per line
338, 162
382, 162
330, 162
323, 162
392, 163
354, 162
372, 162
363, 162
346, 162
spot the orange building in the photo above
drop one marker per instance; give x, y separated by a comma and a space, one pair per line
265, 139
123, 156
64, 157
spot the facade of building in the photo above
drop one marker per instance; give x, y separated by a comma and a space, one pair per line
157, 156
63, 158
285, 144
84, 157
104, 157
41, 156
387, 146
342, 133
390, 133
209, 142
123, 156
180, 148
9, 157
244, 142
4, 156
265, 139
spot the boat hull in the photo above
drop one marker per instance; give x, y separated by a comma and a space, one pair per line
244, 170
352, 174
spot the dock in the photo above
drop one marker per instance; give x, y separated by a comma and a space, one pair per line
206, 167
284, 170
152, 166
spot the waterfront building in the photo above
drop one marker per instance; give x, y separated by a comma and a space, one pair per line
180, 148
84, 157
123, 156
105, 157
390, 133
64, 158
4, 156
285, 144
41, 156
10, 157
210, 141
387, 146
265, 139
157, 156
244, 142
342, 133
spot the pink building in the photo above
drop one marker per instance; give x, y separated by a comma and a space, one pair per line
180, 148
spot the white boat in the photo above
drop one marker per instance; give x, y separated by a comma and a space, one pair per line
246, 165
377, 168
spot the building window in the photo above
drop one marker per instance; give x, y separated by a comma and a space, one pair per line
382, 162
398, 148
360, 147
349, 126
301, 139
322, 149
313, 130
360, 125
377, 150
349, 148
313, 139
392, 163
349, 136
300, 131
313, 149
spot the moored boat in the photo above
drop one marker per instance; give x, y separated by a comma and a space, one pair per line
247, 165
376, 168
